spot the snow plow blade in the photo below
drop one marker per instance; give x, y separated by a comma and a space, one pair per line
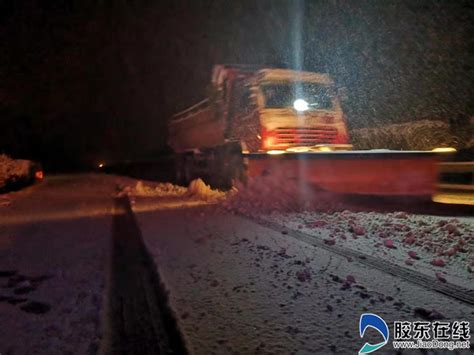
381, 173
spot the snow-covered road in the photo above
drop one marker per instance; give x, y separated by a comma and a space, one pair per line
54, 245
74, 270
239, 287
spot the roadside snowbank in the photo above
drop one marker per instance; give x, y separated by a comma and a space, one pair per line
266, 194
153, 190
12, 170
197, 189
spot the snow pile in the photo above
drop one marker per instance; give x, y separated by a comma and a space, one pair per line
153, 190
421, 135
12, 171
197, 189
269, 193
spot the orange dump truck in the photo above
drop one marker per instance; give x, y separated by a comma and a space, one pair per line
265, 109
258, 121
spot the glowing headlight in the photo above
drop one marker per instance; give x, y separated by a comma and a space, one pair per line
300, 105
444, 150
276, 152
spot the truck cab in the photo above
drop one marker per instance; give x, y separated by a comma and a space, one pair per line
280, 109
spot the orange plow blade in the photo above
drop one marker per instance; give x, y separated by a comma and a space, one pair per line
382, 173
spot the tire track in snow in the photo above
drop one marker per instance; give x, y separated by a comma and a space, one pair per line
454, 291
138, 317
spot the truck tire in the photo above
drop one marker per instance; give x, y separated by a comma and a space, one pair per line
229, 165
188, 169
184, 169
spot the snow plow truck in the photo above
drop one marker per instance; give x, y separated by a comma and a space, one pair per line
261, 121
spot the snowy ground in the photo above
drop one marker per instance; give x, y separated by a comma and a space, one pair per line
54, 244
239, 287
437, 246
441, 247
235, 285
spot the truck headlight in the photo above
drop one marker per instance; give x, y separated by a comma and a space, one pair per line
300, 105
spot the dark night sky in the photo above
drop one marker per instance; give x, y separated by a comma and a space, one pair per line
82, 81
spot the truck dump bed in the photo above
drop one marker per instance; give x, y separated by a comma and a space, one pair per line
196, 127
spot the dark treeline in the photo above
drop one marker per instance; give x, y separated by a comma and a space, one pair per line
83, 81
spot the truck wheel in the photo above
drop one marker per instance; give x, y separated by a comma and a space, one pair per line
178, 171
188, 169
183, 170
232, 170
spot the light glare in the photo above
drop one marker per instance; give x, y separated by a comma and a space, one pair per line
444, 150
276, 152
300, 105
